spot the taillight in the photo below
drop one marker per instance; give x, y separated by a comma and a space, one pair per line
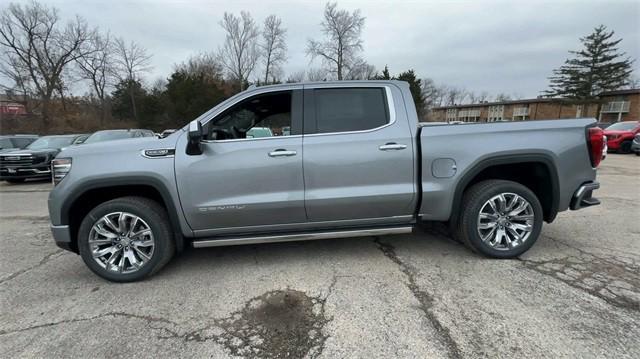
595, 141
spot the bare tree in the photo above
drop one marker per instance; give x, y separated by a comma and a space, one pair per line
634, 82
361, 71
205, 65
97, 67
431, 93
132, 60
501, 97
297, 76
273, 46
239, 54
317, 74
37, 49
340, 50
454, 96
483, 96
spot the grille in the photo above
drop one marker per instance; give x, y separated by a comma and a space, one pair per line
19, 160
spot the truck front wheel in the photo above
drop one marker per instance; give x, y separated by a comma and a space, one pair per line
126, 239
500, 219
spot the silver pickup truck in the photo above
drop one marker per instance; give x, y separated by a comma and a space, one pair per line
341, 159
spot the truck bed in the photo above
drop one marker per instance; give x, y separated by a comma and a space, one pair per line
454, 154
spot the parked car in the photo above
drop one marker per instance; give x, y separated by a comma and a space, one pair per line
361, 165
34, 161
10, 143
635, 145
620, 135
257, 132
110, 135
81, 138
166, 133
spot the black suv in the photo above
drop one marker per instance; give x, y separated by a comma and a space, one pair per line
10, 143
35, 160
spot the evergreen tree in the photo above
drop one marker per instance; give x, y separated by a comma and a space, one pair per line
385, 73
415, 85
597, 68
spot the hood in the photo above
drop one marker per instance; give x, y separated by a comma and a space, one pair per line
133, 145
617, 132
42, 151
7, 150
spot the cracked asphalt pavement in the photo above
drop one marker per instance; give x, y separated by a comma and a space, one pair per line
576, 293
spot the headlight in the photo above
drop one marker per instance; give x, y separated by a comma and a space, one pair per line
59, 168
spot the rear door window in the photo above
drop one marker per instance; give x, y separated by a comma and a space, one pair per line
350, 109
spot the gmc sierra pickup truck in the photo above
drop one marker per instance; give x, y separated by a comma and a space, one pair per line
343, 159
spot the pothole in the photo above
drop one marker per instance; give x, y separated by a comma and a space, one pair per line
277, 324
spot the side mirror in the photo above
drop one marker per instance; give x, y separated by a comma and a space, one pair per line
194, 136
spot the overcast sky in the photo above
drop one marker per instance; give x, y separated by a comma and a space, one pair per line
495, 46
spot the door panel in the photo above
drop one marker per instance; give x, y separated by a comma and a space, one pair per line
361, 174
238, 184
254, 180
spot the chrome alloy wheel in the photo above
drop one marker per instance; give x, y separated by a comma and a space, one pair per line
505, 221
121, 242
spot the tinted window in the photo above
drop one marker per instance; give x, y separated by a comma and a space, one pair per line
22, 142
51, 142
623, 126
264, 115
109, 136
5, 143
353, 109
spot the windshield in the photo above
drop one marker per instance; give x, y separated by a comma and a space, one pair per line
623, 126
109, 136
5, 143
51, 142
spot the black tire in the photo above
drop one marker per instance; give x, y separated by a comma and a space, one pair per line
15, 180
625, 147
474, 198
148, 210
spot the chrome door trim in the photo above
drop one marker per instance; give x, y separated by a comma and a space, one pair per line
302, 236
251, 139
390, 105
305, 226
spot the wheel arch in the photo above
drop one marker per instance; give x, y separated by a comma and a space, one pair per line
94, 192
541, 165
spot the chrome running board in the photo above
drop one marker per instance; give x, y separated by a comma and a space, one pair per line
301, 236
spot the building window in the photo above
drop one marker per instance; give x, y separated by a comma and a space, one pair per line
496, 113
451, 114
521, 113
469, 115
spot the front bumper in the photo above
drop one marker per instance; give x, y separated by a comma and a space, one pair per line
62, 236
583, 196
25, 172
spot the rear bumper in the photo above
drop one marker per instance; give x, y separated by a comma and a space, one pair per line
62, 236
583, 196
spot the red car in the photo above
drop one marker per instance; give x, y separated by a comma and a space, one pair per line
620, 135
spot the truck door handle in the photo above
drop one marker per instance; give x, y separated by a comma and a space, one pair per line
281, 152
391, 146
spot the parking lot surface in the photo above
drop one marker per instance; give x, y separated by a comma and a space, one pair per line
576, 293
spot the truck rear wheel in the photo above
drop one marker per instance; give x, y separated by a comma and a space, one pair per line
126, 239
500, 219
